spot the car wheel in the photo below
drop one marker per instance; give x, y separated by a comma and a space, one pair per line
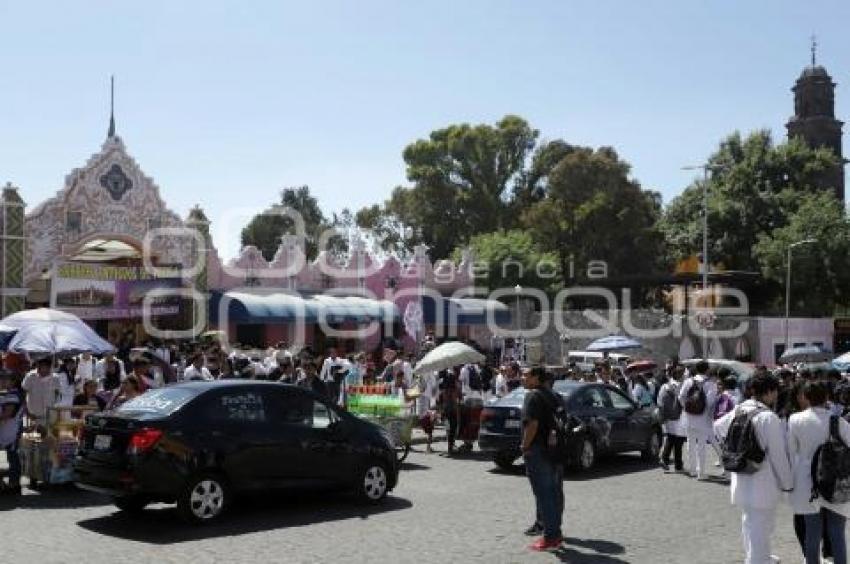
374, 483
587, 454
504, 460
131, 503
652, 449
204, 498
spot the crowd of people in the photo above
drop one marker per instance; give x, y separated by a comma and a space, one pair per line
768, 433
790, 414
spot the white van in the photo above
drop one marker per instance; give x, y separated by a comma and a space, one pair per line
586, 360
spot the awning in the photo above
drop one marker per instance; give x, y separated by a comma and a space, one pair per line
465, 311
244, 307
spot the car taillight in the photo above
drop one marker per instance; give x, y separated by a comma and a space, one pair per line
143, 440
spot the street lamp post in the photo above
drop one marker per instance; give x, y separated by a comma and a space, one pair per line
518, 291
788, 284
705, 170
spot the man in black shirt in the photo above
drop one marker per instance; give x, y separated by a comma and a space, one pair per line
545, 474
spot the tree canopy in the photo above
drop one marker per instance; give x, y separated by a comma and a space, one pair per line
266, 229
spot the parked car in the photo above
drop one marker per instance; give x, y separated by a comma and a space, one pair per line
607, 421
199, 444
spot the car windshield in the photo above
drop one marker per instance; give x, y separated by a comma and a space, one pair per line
163, 401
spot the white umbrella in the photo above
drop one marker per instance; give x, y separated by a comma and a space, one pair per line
613, 343
804, 354
52, 332
447, 355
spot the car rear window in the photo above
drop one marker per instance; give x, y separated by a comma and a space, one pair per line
162, 401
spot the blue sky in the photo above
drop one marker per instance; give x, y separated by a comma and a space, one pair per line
223, 104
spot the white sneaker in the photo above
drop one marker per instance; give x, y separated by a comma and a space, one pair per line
775, 559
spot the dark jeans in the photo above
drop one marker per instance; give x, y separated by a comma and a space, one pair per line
673, 443
547, 484
833, 523
14, 458
450, 415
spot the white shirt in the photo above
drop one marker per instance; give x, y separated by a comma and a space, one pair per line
192, 373
762, 489
807, 431
501, 386
704, 422
41, 393
464, 381
325, 375
85, 369
428, 389
676, 428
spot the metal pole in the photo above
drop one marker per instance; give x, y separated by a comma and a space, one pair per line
705, 261
787, 294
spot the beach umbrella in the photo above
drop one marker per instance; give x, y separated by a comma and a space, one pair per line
804, 354
446, 356
613, 343
46, 331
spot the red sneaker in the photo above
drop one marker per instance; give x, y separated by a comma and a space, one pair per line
543, 544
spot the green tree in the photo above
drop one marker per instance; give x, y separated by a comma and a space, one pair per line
593, 211
511, 258
266, 229
754, 188
821, 272
462, 176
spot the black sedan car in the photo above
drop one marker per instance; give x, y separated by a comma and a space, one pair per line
200, 443
605, 421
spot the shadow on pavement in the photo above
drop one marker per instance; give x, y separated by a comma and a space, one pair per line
410, 466
161, 525
615, 465
597, 545
53, 497
572, 556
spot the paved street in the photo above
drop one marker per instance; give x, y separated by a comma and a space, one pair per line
458, 510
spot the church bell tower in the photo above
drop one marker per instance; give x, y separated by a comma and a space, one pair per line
814, 119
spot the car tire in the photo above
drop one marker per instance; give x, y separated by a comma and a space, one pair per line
373, 483
204, 499
504, 460
652, 450
586, 455
131, 503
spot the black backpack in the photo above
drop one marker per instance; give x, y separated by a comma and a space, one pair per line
671, 408
475, 383
742, 452
831, 468
695, 400
558, 445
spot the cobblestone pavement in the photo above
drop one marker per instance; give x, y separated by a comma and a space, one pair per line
444, 509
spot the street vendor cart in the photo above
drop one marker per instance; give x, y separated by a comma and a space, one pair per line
47, 453
391, 412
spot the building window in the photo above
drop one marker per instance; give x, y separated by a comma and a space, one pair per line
154, 223
74, 222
